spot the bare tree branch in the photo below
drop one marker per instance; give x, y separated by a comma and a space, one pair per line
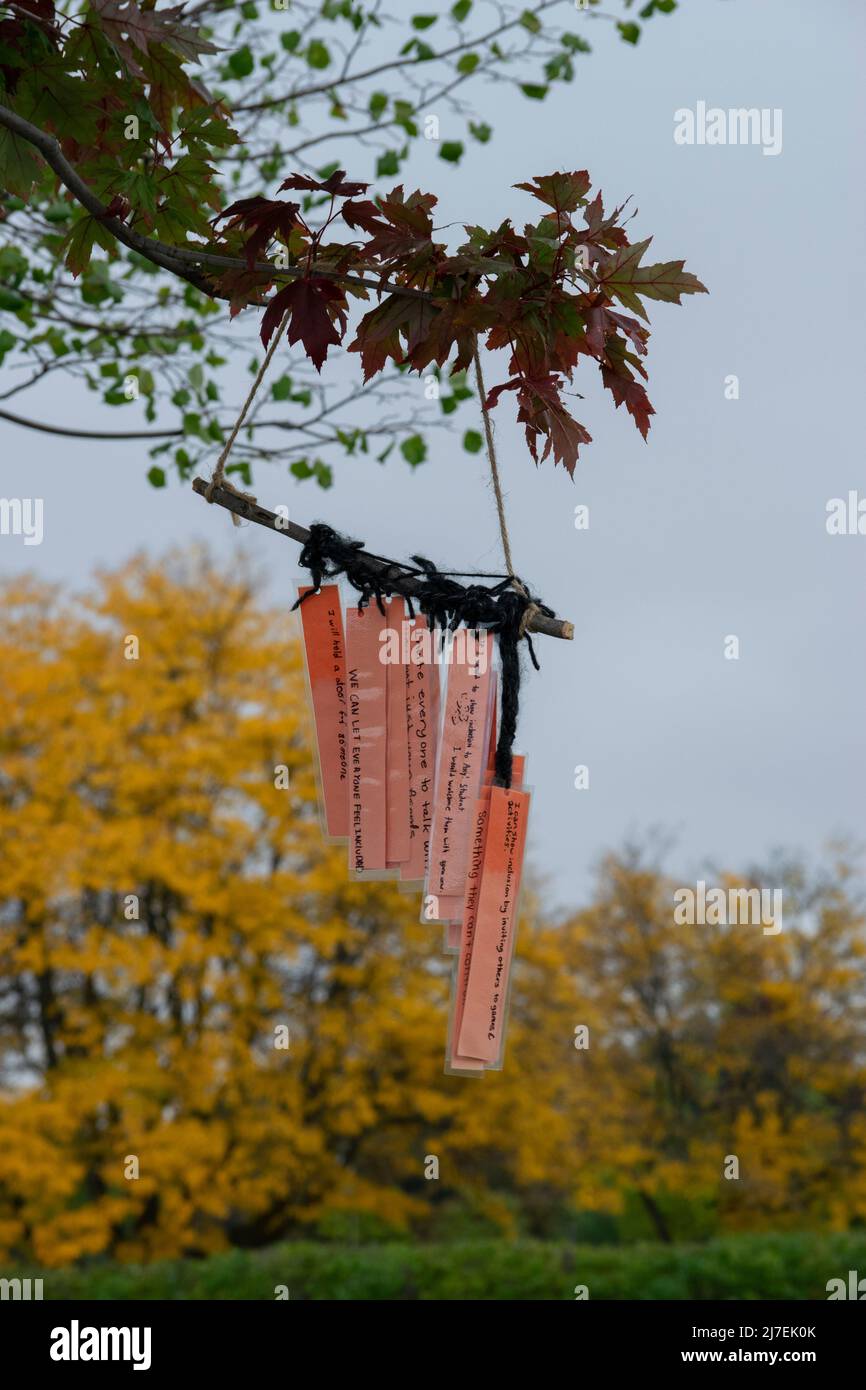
88, 434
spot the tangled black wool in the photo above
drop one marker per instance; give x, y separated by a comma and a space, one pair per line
499, 608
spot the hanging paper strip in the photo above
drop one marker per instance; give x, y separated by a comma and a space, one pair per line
460, 978
398, 809
325, 653
407, 776
452, 909
422, 678
481, 1030
460, 765
366, 695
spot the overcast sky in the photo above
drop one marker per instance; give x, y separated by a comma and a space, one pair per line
716, 527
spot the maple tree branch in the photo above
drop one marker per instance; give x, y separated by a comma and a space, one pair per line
247, 508
317, 88
183, 262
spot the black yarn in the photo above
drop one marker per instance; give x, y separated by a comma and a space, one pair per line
446, 604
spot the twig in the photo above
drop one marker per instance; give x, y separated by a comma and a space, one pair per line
251, 511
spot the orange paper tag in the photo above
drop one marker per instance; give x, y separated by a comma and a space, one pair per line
325, 651
366, 696
466, 930
461, 762
423, 686
481, 1028
397, 669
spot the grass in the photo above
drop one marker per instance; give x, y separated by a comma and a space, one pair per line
778, 1266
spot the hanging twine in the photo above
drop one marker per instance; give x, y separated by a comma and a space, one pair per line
218, 478
504, 608
497, 489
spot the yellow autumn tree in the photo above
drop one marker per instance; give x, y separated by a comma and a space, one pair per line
212, 1037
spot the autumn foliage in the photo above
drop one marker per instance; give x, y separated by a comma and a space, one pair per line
168, 906
549, 295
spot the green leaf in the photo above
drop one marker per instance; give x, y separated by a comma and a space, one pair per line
318, 55
533, 90
19, 167
629, 32
79, 248
281, 389
243, 472
57, 213
156, 477
324, 474
481, 131
452, 150
468, 63
242, 62
7, 342
472, 442
414, 450
662, 6
575, 43
301, 469
461, 10
423, 52
531, 22
378, 105
622, 275
387, 164
291, 40
423, 21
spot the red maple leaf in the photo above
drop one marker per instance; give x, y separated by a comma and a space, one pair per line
632, 395
334, 184
541, 410
264, 219
243, 287
315, 304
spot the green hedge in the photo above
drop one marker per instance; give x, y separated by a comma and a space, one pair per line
736, 1267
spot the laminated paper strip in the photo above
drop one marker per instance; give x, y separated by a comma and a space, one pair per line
325, 651
480, 1033
460, 979
397, 669
461, 762
366, 697
423, 686
451, 908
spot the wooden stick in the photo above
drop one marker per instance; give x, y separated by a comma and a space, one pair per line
249, 510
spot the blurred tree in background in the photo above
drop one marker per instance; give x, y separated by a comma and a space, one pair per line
167, 905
